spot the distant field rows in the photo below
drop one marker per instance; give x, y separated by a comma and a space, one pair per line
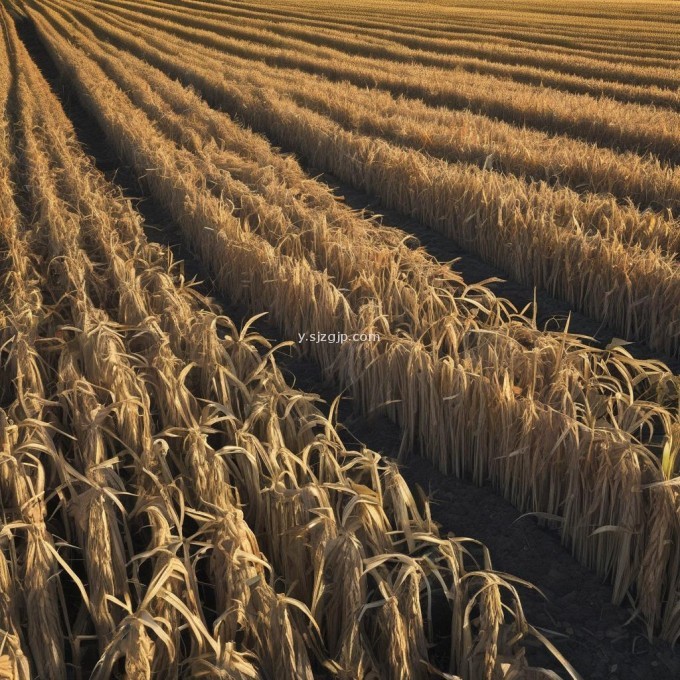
649, 12
273, 246
442, 13
536, 11
635, 84
462, 136
604, 121
459, 136
555, 231
635, 42
518, 63
493, 34
625, 224
451, 40
528, 38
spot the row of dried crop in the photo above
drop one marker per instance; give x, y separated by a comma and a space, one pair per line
640, 25
313, 227
553, 232
586, 9
403, 377
642, 85
20, 480
461, 136
156, 423
624, 126
602, 49
452, 39
571, 72
464, 136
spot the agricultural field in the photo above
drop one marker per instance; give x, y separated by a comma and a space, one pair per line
339, 340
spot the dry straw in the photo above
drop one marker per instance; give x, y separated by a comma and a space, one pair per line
170, 419
558, 438
600, 120
554, 231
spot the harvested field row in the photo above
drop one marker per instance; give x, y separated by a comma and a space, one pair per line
571, 72
633, 84
627, 13
462, 136
650, 54
640, 42
463, 202
414, 34
245, 158
555, 19
132, 444
178, 179
604, 121
627, 8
